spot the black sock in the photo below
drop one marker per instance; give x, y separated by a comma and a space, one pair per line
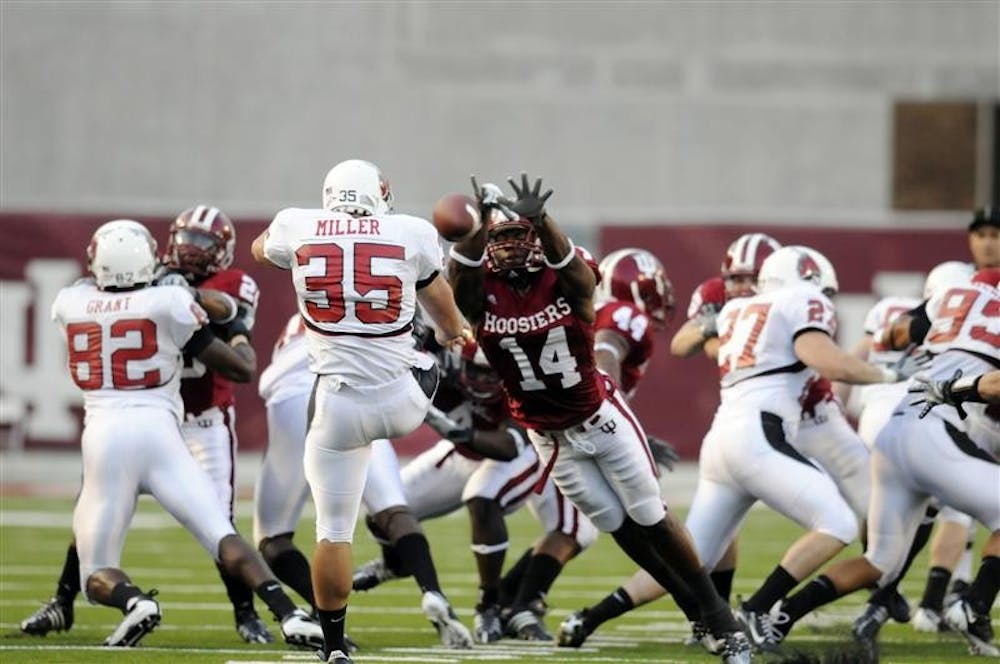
776, 586
69, 581
538, 578
983, 590
292, 569
416, 552
392, 560
723, 582
608, 608
274, 597
240, 594
122, 593
332, 623
937, 586
511, 581
883, 595
816, 593
487, 597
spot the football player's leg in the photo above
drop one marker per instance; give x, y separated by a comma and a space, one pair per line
804, 494
391, 518
280, 494
895, 513
842, 453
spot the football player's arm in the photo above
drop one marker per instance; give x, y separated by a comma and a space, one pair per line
504, 444
576, 279
818, 351
688, 340
466, 271
987, 387
220, 307
860, 350
610, 350
257, 249
438, 301
235, 360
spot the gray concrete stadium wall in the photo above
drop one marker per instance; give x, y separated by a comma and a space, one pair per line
634, 111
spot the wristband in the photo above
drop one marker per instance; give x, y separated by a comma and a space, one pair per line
566, 260
465, 260
967, 389
889, 375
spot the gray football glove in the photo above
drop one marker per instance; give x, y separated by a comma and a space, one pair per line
664, 453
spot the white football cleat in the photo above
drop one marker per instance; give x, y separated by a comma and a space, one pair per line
452, 632
140, 620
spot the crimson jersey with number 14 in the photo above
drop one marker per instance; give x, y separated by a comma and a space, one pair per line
542, 351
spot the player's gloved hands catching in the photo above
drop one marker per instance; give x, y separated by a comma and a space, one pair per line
911, 362
490, 197
934, 393
234, 328
447, 427
530, 201
664, 453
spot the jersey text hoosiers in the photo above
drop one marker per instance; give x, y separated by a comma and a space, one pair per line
108, 306
536, 321
348, 226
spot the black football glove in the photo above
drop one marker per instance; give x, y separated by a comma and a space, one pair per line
490, 197
934, 393
664, 453
530, 201
229, 331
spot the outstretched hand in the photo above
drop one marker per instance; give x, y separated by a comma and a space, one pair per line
530, 201
934, 393
491, 197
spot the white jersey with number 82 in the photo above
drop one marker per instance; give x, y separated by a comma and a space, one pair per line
757, 362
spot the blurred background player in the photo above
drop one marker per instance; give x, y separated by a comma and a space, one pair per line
529, 292
200, 249
768, 344
955, 463
131, 443
358, 270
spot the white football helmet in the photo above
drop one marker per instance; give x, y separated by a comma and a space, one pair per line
122, 254
357, 187
948, 273
788, 266
827, 274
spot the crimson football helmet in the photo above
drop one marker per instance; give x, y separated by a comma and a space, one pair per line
512, 245
477, 379
202, 241
743, 261
637, 276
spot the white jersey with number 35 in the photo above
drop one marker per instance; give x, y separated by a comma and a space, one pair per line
356, 279
757, 362
124, 348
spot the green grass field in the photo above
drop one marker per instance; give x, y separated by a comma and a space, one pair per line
387, 622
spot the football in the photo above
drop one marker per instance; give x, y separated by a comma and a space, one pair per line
456, 217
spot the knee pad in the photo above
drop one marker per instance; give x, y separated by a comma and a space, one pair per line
586, 533
843, 526
272, 547
394, 523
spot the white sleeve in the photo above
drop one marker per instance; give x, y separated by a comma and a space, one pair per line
809, 309
185, 315
56, 311
276, 245
430, 258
